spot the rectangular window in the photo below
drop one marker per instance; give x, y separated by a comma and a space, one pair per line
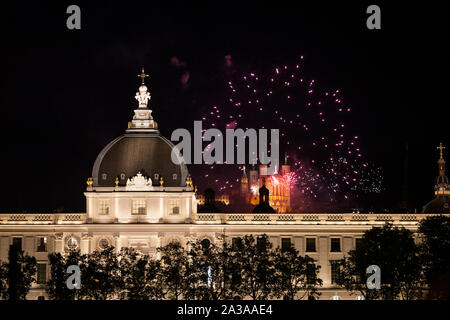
260, 244
310, 244
139, 207
334, 271
335, 245
285, 244
41, 273
358, 242
103, 206
236, 243
311, 275
174, 206
17, 242
41, 244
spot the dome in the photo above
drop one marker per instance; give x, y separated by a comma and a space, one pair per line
148, 153
441, 204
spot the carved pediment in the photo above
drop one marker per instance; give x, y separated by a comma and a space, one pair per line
139, 183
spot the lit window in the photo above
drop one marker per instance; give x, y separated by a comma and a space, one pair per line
310, 244
122, 176
174, 176
336, 298
103, 207
139, 207
360, 298
72, 243
174, 206
285, 244
104, 176
42, 244
156, 176
41, 273
335, 245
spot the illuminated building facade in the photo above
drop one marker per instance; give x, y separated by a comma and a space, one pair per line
138, 198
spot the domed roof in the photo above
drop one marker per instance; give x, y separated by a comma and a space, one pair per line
441, 204
148, 153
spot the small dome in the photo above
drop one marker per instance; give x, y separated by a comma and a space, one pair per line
148, 153
143, 88
441, 204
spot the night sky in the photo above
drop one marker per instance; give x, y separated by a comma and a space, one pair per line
64, 94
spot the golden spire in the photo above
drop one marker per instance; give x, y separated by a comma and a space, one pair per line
89, 182
116, 181
161, 181
143, 75
441, 148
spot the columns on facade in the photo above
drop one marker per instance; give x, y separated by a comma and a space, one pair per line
59, 242
117, 243
85, 243
323, 250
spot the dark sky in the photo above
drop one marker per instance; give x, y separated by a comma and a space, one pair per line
64, 94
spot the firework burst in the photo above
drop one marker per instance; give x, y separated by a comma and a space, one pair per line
326, 157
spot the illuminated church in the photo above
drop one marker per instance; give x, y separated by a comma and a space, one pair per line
137, 197
277, 184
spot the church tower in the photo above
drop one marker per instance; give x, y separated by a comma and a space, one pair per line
441, 187
244, 183
285, 168
441, 202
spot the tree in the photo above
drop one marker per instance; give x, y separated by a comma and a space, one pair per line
3, 278
57, 284
139, 276
396, 253
297, 275
27, 268
255, 261
214, 282
175, 273
435, 248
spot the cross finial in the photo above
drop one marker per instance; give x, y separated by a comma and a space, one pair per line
441, 148
143, 75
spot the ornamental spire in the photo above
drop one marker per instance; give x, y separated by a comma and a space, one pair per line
143, 75
441, 148
143, 95
142, 119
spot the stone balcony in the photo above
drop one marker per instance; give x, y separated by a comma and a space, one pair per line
43, 218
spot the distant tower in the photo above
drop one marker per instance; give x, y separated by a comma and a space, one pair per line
253, 177
441, 187
285, 168
244, 183
441, 202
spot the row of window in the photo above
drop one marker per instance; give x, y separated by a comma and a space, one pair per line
40, 247
286, 243
138, 207
155, 176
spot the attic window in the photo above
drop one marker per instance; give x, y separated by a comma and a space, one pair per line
174, 176
122, 176
104, 176
156, 176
